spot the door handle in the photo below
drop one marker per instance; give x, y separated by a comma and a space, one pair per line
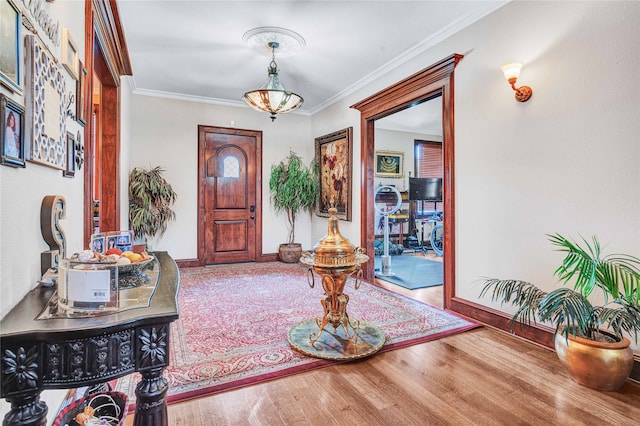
252, 209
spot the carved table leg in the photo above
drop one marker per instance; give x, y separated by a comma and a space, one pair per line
26, 410
151, 401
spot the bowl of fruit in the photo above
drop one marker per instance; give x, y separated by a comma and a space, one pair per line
128, 262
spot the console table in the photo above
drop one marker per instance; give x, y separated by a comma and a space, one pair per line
63, 353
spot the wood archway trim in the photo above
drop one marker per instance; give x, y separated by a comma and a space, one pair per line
433, 81
106, 56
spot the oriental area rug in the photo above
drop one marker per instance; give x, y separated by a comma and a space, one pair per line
234, 319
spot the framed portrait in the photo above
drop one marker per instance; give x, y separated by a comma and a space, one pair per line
12, 133
334, 156
111, 242
97, 243
69, 53
10, 46
70, 170
389, 164
80, 94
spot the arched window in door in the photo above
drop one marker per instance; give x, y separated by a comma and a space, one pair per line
231, 167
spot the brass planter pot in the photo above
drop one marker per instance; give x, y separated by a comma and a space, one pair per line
597, 365
290, 253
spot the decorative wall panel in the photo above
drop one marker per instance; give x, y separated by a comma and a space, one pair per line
46, 116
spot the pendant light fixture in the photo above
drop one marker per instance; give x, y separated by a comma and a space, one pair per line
272, 97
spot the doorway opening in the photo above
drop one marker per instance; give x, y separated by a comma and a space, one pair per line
430, 83
408, 158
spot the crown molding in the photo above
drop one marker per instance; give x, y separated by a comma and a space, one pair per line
194, 98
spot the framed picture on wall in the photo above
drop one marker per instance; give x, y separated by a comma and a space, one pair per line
12, 133
10, 46
70, 170
80, 94
389, 164
334, 157
69, 53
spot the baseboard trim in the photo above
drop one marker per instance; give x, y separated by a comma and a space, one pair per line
188, 263
191, 263
267, 257
635, 373
537, 334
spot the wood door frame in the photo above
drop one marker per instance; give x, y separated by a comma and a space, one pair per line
107, 57
430, 83
202, 183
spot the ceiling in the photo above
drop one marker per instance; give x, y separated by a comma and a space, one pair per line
194, 49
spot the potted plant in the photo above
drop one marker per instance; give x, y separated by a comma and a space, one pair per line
150, 200
294, 188
588, 338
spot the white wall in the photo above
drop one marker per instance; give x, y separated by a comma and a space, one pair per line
125, 154
22, 189
165, 132
567, 161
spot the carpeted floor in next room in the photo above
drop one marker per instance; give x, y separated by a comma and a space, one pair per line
412, 270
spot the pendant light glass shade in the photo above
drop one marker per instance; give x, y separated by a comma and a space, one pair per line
272, 97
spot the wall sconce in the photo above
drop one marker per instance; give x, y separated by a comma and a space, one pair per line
511, 73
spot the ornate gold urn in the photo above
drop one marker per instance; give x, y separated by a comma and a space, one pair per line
335, 335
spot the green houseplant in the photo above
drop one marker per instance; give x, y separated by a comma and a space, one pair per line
294, 188
584, 332
150, 200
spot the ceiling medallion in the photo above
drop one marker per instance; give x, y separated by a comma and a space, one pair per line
289, 42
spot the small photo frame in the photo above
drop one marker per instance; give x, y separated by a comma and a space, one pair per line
123, 239
12, 133
111, 242
69, 54
11, 46
81, 101
70, 170
389, 164
97, 243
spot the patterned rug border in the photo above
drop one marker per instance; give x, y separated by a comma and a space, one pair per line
318, 363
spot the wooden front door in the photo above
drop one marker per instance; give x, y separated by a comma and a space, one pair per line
229, 203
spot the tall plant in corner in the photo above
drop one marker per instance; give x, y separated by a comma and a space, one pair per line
150, 200
294, 188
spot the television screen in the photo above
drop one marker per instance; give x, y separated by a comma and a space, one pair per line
425, 189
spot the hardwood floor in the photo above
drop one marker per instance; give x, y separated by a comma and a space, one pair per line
480, 377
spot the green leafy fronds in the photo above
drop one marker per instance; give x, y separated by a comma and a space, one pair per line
617, 275
570, 310
624, 317
522, 294
294, 188
150, 200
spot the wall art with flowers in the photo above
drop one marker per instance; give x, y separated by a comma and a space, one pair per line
334, 156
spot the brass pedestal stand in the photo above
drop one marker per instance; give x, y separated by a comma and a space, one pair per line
335, 260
